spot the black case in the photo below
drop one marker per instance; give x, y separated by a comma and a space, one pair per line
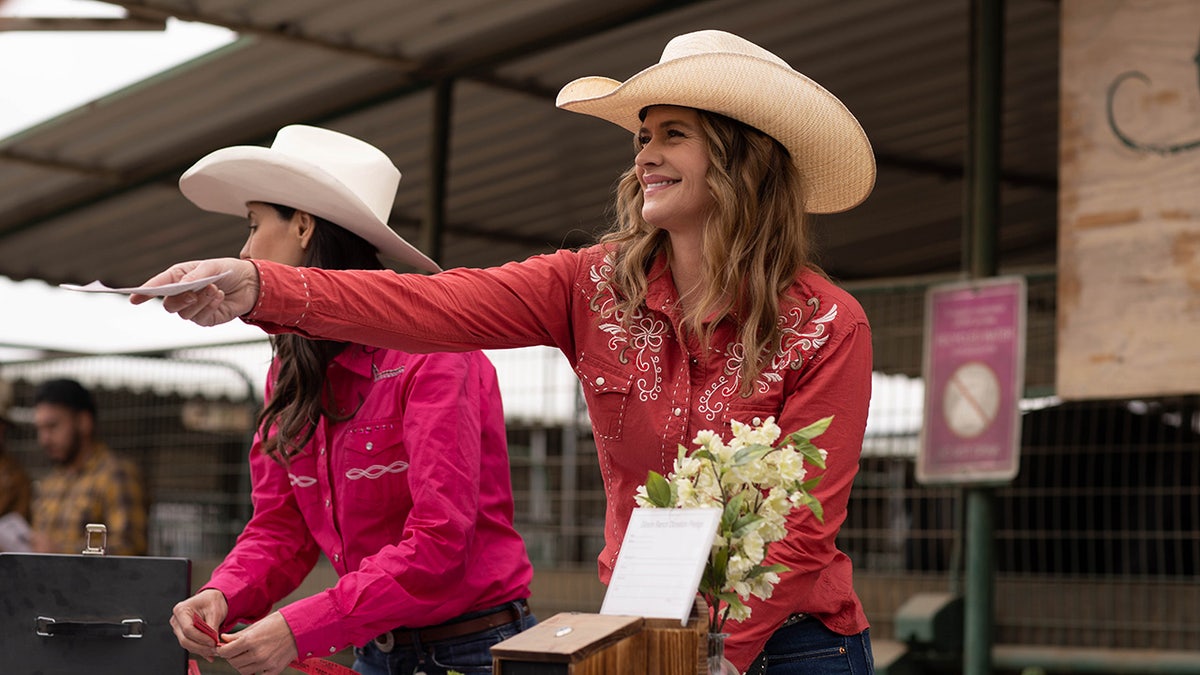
90, 614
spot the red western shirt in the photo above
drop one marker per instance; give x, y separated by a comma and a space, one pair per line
409, 498
648, 388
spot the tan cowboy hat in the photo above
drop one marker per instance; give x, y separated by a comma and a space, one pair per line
720, 72
340, 178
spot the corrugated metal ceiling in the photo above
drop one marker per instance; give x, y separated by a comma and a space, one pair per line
92, 194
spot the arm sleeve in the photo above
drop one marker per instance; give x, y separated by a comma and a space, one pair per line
838, 383
274, 552
519, 304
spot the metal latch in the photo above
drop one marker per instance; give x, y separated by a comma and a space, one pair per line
95, 531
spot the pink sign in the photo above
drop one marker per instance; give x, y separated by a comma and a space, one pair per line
974, 377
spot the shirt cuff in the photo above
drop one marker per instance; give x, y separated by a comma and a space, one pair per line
315, 625
278, 300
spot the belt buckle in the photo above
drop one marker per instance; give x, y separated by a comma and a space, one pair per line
386, 642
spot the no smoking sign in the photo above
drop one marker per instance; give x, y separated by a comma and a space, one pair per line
974, 373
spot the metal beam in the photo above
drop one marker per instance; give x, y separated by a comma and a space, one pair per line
434, 227
75, 23
422, 77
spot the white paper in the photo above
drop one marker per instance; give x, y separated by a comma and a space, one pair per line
160, 291
661, 560
14, 533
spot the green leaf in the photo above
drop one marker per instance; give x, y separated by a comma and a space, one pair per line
808, 485
817, 509
813, 430
745, 525
750, 453
733, 511
760, 570
658, 490
811, 453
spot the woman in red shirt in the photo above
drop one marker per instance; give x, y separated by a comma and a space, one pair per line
702, 305
392, 464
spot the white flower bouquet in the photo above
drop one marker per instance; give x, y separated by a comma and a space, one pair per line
756, 479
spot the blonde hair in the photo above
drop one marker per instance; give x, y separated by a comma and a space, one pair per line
755, 242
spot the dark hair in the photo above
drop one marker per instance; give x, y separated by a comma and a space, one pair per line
298, 398
67, 393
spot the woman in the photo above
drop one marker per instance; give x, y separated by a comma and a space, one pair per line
701, 306
394, 465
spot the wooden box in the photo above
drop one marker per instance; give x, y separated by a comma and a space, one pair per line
574, 643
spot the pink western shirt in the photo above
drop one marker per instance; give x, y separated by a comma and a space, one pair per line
648, 388
410, 498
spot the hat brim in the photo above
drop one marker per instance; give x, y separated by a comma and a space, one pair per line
225, 180
826, 142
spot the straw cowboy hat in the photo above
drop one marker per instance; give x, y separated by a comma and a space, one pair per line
720, 72
340, 178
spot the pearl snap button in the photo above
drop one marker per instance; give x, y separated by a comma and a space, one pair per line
678, 412
370, 445
600, 381
333, 650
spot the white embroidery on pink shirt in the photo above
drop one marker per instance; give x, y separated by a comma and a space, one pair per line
301, 481
376, 471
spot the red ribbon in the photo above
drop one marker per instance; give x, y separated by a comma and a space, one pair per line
313, 666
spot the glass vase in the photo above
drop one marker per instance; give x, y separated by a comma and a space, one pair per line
717, 663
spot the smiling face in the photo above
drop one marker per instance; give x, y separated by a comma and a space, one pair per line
670, 165
273, 238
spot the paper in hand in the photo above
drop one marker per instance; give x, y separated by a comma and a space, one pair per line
159, 291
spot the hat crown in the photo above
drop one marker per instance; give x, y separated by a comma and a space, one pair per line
356, 164
715, 42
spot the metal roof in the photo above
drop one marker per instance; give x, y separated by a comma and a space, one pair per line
92, 194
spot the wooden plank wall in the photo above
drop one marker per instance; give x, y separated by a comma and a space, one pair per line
1129, 207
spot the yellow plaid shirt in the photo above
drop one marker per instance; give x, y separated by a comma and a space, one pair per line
106, 489
15, 488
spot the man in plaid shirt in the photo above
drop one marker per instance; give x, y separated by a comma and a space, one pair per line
88, 484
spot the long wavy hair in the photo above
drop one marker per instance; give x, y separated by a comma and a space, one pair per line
300, 396
754, 243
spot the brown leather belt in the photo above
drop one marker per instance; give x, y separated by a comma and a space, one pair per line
509, 613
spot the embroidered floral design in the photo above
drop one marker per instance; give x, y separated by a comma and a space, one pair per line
801, 335
803, 330
643, 340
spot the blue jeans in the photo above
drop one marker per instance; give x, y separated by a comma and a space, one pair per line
469, 654
807, 647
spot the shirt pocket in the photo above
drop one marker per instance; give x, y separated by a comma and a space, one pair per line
373, 463
746, 411
606, 390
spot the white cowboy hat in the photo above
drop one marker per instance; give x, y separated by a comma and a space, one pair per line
342, 179
720, 72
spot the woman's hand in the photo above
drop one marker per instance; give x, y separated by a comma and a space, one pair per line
211, 606
221, 301
267, 647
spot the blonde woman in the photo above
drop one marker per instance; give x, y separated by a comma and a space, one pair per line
701, 306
